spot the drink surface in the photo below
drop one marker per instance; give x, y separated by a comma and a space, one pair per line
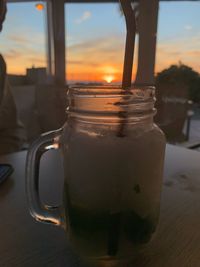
112, 190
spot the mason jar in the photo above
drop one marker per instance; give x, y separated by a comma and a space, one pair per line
113, 156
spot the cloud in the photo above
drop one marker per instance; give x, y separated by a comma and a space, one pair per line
96, 58
18, 38
181, 49
188, 27
38, 60
106, 44
20, 59
194, 53
79, 62
94, 52
12, 54
86, 15
26, 37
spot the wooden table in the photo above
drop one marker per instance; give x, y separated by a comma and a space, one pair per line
26, 243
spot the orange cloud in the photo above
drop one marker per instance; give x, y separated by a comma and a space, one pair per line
18, 38
23, 51
92, 60
96, 58
184, 49
18, 60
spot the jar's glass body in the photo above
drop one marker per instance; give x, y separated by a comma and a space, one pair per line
113, 160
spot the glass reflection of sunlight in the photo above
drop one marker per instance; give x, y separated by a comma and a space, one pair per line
39, 6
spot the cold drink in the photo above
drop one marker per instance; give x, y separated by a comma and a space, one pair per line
112, 190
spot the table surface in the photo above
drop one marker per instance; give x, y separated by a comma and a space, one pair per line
25, 242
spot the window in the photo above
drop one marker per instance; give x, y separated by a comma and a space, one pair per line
95, 39
23, 38
178, 34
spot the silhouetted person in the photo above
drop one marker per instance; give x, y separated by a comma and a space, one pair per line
12, 134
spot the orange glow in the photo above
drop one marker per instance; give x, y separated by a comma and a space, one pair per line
39, 6
109, 69
108, 78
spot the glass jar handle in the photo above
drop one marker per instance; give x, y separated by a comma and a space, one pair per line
41, 212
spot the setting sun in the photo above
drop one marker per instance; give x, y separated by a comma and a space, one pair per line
108, 78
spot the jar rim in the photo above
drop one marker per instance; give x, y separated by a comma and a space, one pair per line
114, 90
100, 102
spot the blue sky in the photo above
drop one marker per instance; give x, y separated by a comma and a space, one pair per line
175, 16
95, 36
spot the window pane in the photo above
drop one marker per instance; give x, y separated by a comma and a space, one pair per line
178, 45
178, 34
23, 38
95, 38
23, 47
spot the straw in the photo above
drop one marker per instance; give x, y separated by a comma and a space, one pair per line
128, 57
113, 233
115, 218
130, 42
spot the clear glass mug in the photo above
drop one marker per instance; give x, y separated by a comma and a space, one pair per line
113, 156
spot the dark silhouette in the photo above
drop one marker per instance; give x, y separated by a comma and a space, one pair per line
175, 86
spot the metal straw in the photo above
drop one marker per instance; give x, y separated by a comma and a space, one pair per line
115, 218
128, 57
130, 42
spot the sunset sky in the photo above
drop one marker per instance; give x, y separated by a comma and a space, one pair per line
95, 35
